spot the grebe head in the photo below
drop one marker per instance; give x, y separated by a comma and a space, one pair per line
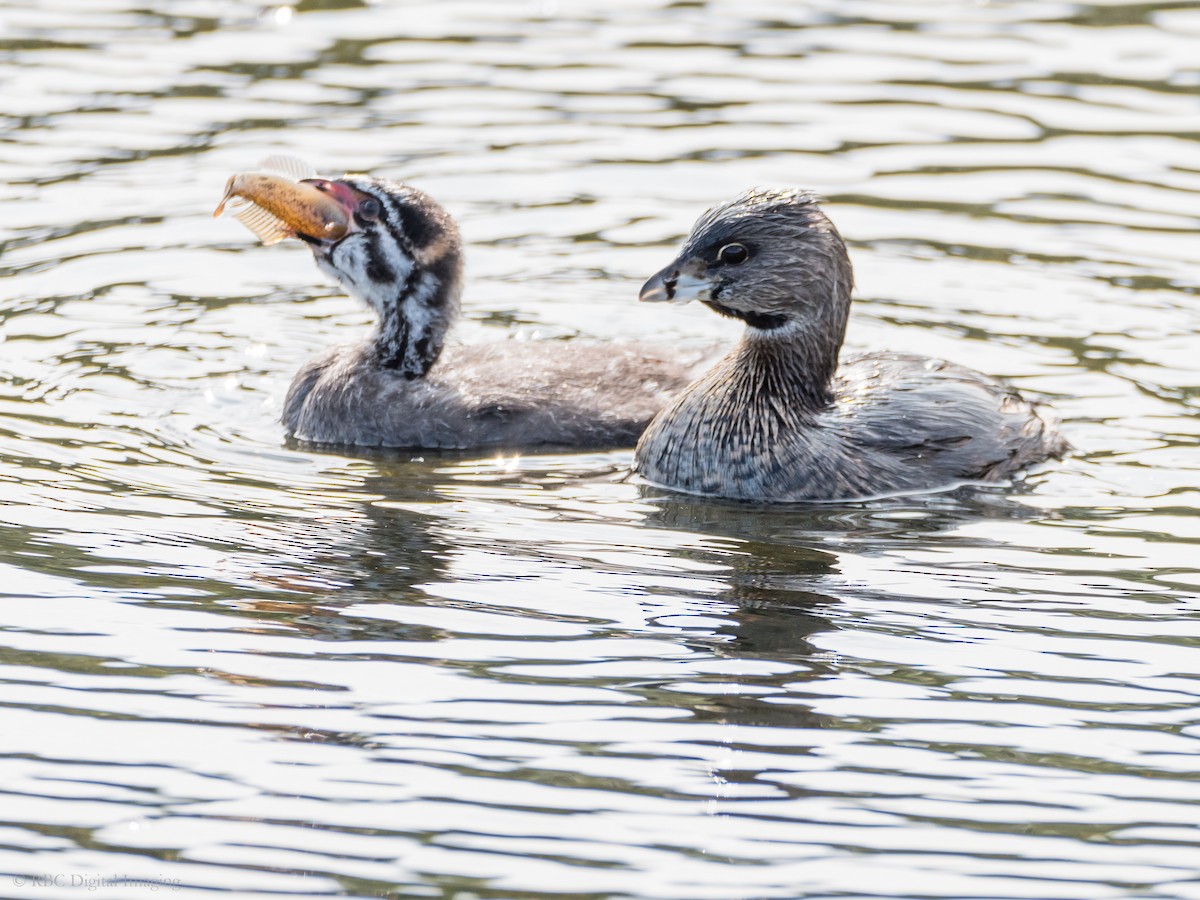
401, 255
769, 258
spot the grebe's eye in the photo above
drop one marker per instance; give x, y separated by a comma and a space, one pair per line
370, 209
733, 254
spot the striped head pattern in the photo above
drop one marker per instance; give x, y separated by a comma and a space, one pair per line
401, 255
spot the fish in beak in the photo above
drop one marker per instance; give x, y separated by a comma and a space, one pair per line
279, 206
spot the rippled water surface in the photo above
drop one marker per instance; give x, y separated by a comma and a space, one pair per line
233, 664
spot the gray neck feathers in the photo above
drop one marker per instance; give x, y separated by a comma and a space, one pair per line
788, 368
798, 360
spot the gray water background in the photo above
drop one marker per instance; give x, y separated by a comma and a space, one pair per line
233, 665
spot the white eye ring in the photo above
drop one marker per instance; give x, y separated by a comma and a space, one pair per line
733, 254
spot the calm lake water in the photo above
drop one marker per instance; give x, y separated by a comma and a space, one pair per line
233, 665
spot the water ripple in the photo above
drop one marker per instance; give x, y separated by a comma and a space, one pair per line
232, 664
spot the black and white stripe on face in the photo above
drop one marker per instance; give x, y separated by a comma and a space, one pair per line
402, 259
374, 260
383, 256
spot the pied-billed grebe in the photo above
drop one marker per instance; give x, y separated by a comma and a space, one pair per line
394, 248
777, 419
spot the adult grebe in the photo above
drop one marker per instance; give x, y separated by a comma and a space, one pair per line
777, 419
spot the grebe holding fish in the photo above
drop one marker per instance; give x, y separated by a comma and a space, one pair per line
395, 249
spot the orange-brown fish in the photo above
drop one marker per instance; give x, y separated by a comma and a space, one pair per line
279, 202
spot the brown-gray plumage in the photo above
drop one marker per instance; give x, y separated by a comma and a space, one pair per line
777, 419
402, 256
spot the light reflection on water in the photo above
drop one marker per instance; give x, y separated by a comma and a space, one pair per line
234, 664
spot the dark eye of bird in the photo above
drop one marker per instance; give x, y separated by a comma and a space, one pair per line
370, 209
733, 254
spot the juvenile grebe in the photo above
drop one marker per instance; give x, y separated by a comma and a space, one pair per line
394, 248
777, 419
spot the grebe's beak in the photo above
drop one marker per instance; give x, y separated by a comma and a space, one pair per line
678, 283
